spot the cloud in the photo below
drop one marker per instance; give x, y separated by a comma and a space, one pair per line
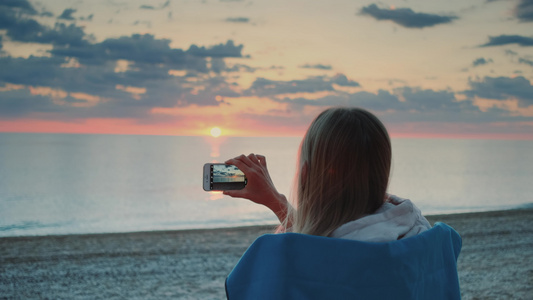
266, 87
263, 87
524, 11
219, 65
22, 6
22, 29
403, 103
119, 77
221, 50
238, 20
405, 17
151, 7
317, 66
432, 101
34, 71
481, 61
115, 91
503, 88
520, 60
342, 80
16, 103
146, 49
381, 101
67, 14
508, 39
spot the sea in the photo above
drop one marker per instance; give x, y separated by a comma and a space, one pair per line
58, 184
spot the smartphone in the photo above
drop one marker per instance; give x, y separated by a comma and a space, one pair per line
222, 177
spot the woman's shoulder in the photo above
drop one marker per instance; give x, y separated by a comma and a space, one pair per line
395, 219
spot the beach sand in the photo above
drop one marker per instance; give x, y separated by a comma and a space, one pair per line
496, 261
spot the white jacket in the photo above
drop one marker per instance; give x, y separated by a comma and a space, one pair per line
397, 218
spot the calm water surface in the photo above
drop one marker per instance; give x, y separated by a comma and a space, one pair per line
63, 184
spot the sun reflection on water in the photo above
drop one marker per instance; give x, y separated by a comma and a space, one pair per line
217, 195
215, 144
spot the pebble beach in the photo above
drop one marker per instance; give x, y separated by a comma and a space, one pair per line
496, 261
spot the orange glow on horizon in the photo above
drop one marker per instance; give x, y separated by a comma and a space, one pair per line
185, 127
243, 128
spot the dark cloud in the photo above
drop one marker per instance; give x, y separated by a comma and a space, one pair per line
481, 61
221, 50
406, 17
219, 65
265, 87
509, 39
149, 64
34, 71
63, 35
79, 65
67, 14
416, 104
22, 6
160, 88
503, 88
238, 20
317, 66
148, 50
22, 29
342, 80
524, 10
16, 103
241, 68
1, 45
431, 101
520, 60
381, 101
151, 7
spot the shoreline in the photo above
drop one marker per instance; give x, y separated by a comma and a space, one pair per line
451, 216
495, 261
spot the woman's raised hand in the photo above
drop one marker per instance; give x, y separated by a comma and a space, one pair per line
259, 188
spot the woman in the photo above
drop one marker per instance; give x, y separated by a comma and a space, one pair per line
344, 168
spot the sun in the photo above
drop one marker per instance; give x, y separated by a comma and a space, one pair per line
216, 132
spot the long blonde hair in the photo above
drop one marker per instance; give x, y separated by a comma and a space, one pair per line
345, 160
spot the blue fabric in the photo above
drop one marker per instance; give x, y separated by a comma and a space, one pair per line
298, 266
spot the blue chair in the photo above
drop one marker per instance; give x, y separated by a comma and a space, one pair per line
299, 266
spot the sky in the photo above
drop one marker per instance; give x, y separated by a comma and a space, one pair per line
427, 68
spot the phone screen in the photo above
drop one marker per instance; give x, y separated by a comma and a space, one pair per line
223, 177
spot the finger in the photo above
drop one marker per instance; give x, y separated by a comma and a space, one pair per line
253, 158
241, 159
262, 160
234, 193
239, 164
234, 158
245, 159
